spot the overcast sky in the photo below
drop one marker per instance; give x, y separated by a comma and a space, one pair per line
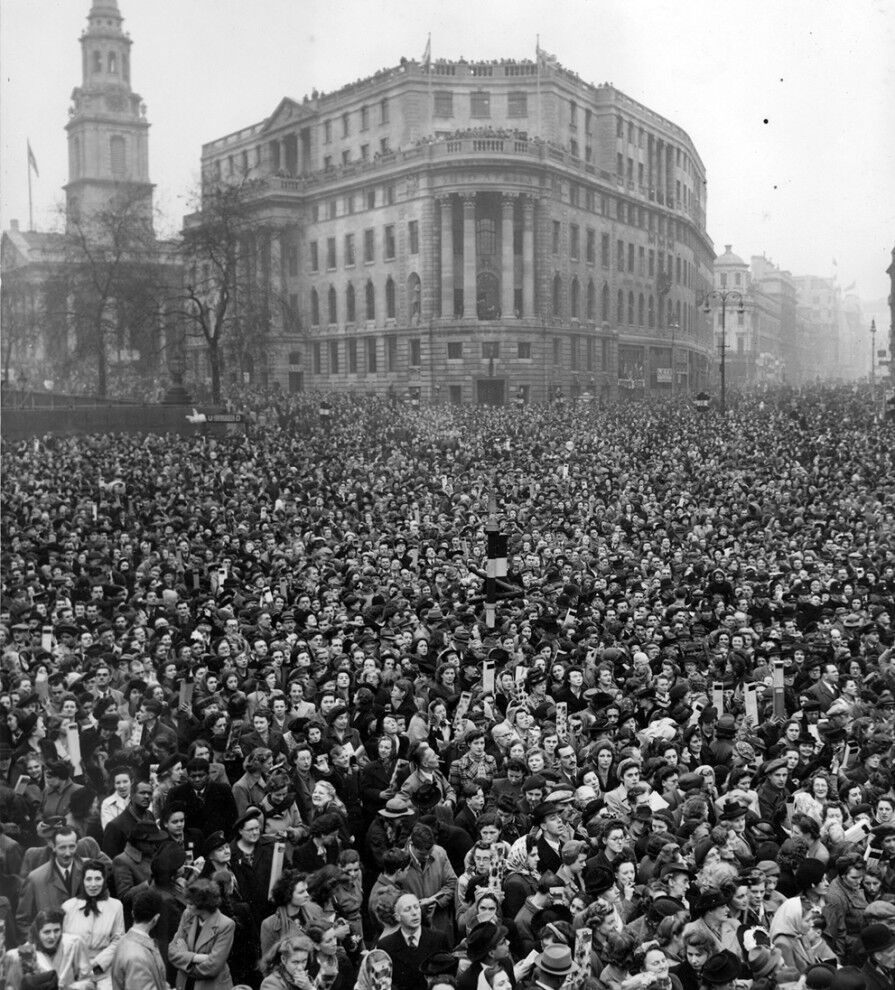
791, 103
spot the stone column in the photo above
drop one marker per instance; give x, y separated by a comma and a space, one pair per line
528, 257
447, 256
276, 281
507, 296
469, 264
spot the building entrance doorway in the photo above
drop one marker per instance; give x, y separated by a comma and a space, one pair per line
491, 391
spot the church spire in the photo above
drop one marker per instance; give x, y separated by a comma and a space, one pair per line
108, 134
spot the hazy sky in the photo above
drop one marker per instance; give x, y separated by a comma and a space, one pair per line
791, 103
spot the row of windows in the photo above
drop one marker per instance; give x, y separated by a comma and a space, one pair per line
366, 351
638, 137
344, 121
480, 104
348, 204
345, 157
351, 303
642, 310
112, 64
349, 254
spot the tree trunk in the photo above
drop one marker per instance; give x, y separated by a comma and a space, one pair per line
102, 369
214, 360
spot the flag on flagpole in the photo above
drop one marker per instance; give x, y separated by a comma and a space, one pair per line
427, 53
544, 57
32, 161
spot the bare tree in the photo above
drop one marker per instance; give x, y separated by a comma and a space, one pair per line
117, 276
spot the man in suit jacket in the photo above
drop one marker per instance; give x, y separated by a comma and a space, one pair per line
137, 964
411, 944
826, 690
49, 886
209, 807
119, 830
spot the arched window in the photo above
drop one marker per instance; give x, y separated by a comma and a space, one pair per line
677, 313
370, 295
574, 300
350, 314
333, 309
315, 308
668, 313
414, 298
604, 303
125, 68
591, 301
389, 298
620, 308
485, 237
118, 156
113, 63
631, 308
97, 61
641, 311
651, 307
557, 295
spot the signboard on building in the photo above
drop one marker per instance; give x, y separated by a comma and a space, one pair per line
663, 375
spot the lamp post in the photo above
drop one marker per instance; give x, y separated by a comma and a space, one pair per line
722, 295
673, 327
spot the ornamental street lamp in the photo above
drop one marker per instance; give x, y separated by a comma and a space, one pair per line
722, 295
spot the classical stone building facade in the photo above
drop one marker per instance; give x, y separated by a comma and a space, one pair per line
473, 232
107, 259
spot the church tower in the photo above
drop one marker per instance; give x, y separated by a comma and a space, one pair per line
108, 134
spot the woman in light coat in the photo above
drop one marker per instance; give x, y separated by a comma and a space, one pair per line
204, 938
97, 919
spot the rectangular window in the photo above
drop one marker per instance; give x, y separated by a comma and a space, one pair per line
352, 356
314, 259
371, 199
574, 241
413, 236
349, 250
557, 229
333, 357
327, 132
517, 105
416, 352
589, 354
573, 351
383, 111
480, 104
591, 247
641, 261
620, 165
523, 351
365, 152
491, 349
345, 125
369, 245
364, 118
620, 255
651, 270
292, 259
557, 350
332, 209
317, 357
388, 193
455, 393
574, 194
330, 252
372, 366
315, 213
390, 242
444, 103
455, 351
346, 157
630, 257
349, 204
391, 352
605, 260
383, 146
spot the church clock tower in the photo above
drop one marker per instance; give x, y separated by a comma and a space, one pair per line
108, 134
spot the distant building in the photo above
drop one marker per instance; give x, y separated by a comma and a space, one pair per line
46, 293
472, 232
820, 306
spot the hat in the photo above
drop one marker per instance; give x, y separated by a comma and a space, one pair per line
147, 832
880, 911
876, 937
691, 782
482, 939
555, 960
769, 868
848, 978
732, 811
764, 961
561, 794
247, 816
109, 721
708, 900
506, 802
396, 807
597, 880
543, 810
722, 967
772, 766
214, 841
819, 977
46, 826
439, 963
642, 813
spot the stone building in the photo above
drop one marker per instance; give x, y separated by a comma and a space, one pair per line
51, 292
472, 232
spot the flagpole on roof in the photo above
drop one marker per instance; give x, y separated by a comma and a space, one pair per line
538, 93
30, 207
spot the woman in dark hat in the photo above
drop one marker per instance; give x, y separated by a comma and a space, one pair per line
711, 914
878, 941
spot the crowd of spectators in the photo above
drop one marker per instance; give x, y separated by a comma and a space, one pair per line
260, 729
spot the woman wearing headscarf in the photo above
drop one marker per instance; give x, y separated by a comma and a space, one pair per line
375, 971
522, 875
795, 932
97, 919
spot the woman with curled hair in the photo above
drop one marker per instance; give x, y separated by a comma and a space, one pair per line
650, 969
285, 964
203, 941
697, 947
291, 899
97, 919
49, 950
331, 968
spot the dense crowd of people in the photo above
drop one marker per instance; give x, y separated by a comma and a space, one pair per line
262, 726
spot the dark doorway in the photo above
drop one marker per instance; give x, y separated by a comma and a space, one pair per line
490, 391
